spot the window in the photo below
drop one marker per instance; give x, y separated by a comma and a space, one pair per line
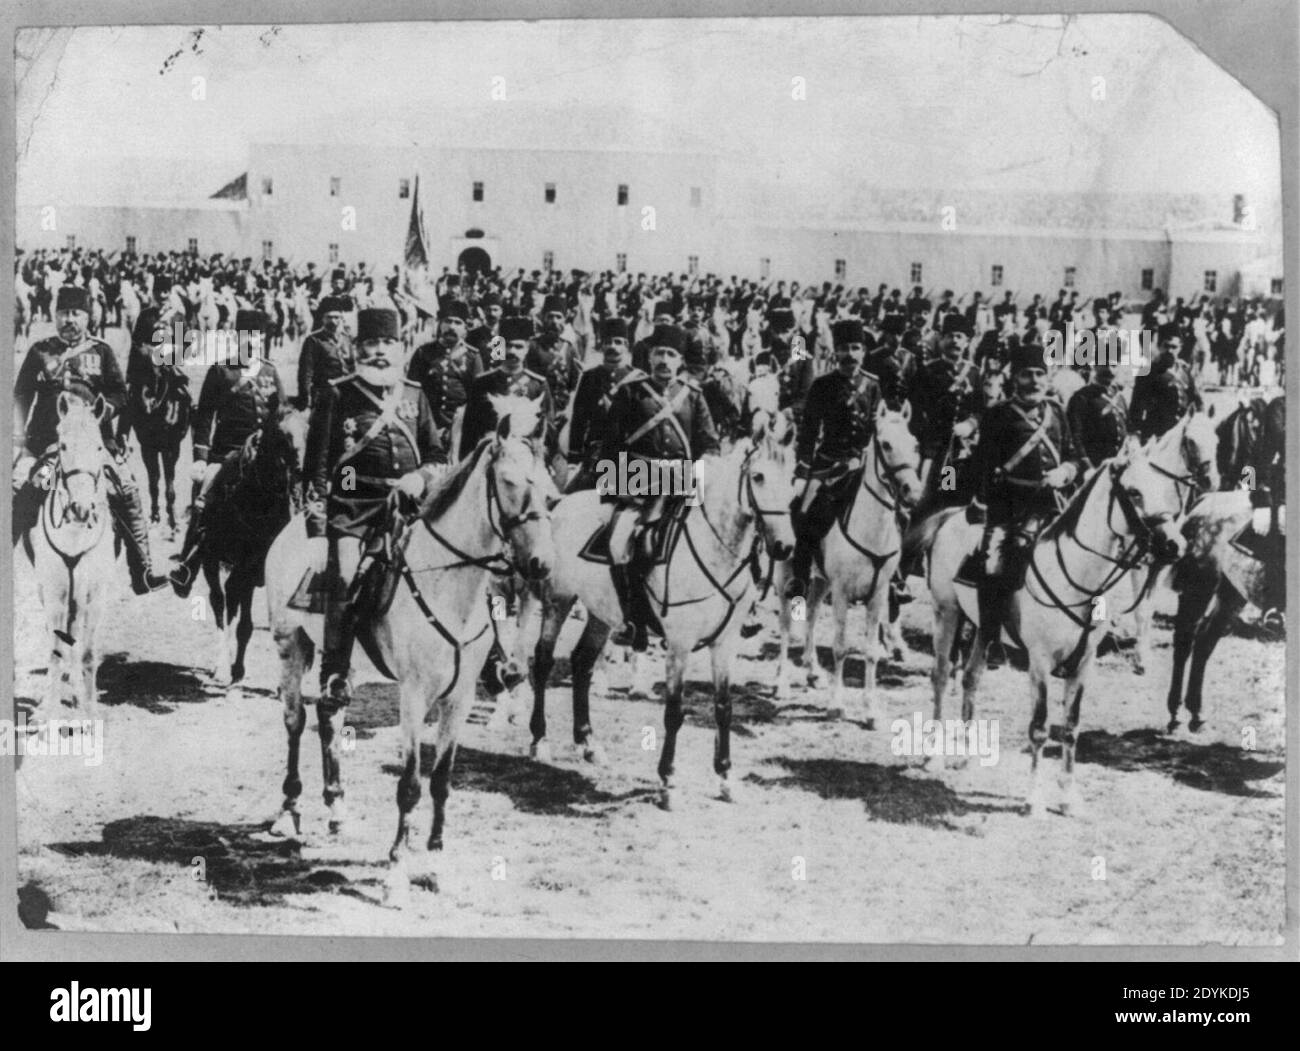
548, 260
695, 196
620, 262
192, 246
268, 249
622, 193
550, 193
692, 264
130, 244
995, 278
916, 273
334, 252
478, 191
764, 268
1211, 280
1069, 276
1148, 279
266, 186
840, 269
403, 189
72, 241
335, 182
1275, 286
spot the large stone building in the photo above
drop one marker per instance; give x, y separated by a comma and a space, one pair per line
661, 210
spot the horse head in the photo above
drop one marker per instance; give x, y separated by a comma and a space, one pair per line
767, 490
1152, 493
898, 456
81, 455
521, 491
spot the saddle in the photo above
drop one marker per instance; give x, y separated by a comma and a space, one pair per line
1266, 547
654, 541
370, 594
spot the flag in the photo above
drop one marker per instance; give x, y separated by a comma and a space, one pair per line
417, 241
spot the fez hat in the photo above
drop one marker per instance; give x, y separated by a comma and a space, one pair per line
251, 321
849, 330
780, 318
955, 323
377, 323
452, 310
894, 324
162, 284
338, 271
1028, 356
150, 319
516, 328
1168, 330
73, 298
613, 328
554, 305
335, 305
491, 300
668, 336
988, 345
694, 353
663, 308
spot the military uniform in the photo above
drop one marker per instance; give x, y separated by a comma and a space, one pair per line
445, 379
1098, 418
556, 359
234, 402
88, 370
894, 369
1161, 398
323, 358
591, 404
943, 393
480, 418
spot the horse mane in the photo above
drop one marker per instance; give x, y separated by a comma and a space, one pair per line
1069, 518
522, 413
445, 489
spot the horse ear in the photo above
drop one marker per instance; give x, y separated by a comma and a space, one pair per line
906, 411
881, 409
63, 404
100, 407
1210, 412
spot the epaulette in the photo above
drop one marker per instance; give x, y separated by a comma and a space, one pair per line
691, 382
342, 379
530, 372
632, 376
412, 383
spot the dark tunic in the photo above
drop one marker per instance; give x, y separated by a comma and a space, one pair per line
1011, 477
590, 404
89, 369
685, 433
1098, 420
837, 423
232, 405
351, 428
1160, 399
481, 419
557, 360
942, 394
323, 358
894, 371
445, 382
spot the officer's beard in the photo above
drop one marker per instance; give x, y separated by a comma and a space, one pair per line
380, 375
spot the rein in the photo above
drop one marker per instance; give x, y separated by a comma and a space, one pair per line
890, 503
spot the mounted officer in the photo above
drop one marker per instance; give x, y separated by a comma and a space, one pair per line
510, 377
1098, 414
836, 427
661, 419
1026, 453
592, 400
74, 362
1161, 398
327, 353
945, 398
554, 357
786, 353
371, 433
446, 369
237, 397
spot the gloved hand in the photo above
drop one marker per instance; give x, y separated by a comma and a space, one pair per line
964, 429
1059, 477
411, 484
23, 469
197, 470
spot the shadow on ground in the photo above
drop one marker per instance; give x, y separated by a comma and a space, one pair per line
890, 793
1211, 767
153, 686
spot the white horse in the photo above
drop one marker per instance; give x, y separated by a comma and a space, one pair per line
435, 636
1129, 510
71, 549
859, 558
701, 595
130, 300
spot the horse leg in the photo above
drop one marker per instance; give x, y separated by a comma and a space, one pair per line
169, 456
151, 457
840, 649
330, 720
1193, 606
294, 650
1071, 799
217, 602
242, 610
412, 694
723, 658
1038, 735
674, 674
448, 725
554, 612
814, 675
873, 651
781, 690
1208, 634
582, 662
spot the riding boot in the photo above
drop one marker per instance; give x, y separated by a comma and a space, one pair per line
336, 653
188, 561
992, 599
128, 510
26, 510
800, 569
620, 573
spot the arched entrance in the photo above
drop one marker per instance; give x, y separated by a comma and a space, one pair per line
475, 260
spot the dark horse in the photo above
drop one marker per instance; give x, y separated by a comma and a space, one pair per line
1238, 435
158, 407
250, 505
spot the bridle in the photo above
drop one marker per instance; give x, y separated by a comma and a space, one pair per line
1196, 481
886, 476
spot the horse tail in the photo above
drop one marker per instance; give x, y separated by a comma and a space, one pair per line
919, 538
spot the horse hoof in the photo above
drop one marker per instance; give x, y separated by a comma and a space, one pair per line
1196, 725
726, 792
835, 711
287, 826
593, 753
540, 752
338, 819
666, 794
1172, 725
869, 722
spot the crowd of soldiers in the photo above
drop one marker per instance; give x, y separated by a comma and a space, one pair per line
634, 365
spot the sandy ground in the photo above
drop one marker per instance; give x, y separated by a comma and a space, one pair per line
832, 836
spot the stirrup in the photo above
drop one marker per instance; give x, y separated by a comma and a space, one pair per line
625, 635
149, 582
